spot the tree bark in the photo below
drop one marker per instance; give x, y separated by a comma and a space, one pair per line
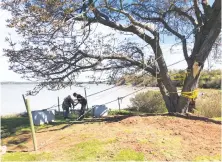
201, 51
170, 99
166, 86
166, 98
190, 84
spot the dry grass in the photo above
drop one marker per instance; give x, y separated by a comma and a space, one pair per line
209, 103
137, 138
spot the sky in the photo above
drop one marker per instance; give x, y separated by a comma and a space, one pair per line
8, 75
5, 74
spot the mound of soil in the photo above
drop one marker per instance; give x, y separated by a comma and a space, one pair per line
132, 120
157, 137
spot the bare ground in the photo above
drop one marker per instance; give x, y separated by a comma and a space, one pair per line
156, 137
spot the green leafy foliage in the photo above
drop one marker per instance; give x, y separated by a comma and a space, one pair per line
134, 80
208, 79
149, 102
124, 112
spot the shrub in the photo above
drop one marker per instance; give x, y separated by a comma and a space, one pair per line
210, 79
121, 112
208, 104
149, 102
149, 81
214, 83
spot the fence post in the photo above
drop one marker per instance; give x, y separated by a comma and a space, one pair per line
31, 123
23, 96
118, 102
58, 105
86, 98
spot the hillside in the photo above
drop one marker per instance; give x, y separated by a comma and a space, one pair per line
121, 138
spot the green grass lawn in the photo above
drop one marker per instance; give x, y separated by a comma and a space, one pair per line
89, 150
25, 156
16, 124
85, 151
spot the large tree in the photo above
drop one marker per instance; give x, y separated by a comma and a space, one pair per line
57, 43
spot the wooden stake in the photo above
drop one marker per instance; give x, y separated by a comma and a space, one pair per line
23, 96
118, 102
31, 123
86, 99
58, 105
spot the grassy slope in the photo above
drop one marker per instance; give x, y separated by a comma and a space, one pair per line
90, 149
15, 125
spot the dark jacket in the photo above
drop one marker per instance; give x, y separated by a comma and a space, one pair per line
81, 99
68, 102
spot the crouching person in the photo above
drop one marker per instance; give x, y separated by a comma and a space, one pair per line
67, 103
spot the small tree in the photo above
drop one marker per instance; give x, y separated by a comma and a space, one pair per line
56, 49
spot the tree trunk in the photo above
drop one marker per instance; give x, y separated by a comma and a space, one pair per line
166, 86
170, 100
179, 104
202, 47
190, 85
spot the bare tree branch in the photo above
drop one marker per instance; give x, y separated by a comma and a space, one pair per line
197, 12
180, 12
182, 37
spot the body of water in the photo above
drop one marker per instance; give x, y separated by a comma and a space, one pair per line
12, 101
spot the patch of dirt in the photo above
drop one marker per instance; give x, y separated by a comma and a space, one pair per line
132, 121
157, 137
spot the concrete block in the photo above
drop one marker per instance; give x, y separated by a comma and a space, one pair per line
43, 116
100, 110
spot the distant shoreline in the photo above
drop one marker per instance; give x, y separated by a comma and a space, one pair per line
89, 82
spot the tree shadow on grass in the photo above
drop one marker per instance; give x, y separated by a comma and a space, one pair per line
10, 125
193, 117
71, 122
19, 140
17, 124
188, 116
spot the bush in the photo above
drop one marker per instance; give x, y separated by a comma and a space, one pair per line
149, 102
149, 81
208, 104
210, 79
121, 112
